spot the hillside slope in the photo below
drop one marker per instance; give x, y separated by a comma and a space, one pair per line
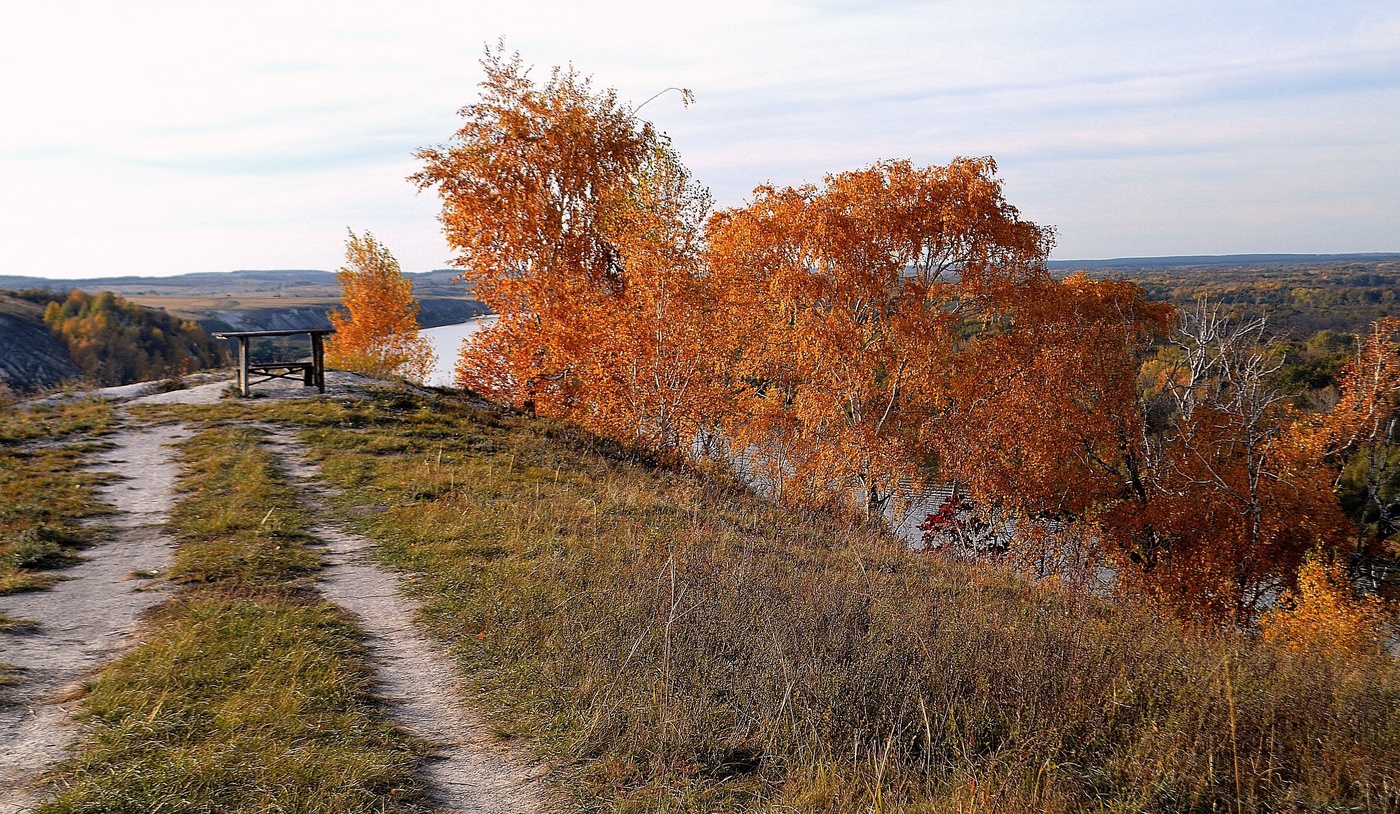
100, 338
677, 644
248, 314
30, 356
292, 284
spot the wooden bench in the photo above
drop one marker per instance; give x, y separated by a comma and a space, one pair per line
312, 373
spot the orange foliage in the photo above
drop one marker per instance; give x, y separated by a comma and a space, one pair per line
1232, 499
1362, 436
377, 333
651, 372
526, 186
1231, 518
846, 307
1325, 614
1042, 414
890, 329
1370, 391
579, 227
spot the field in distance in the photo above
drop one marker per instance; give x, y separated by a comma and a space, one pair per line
245, 300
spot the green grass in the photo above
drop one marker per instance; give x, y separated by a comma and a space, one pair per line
240, 525
43, 493
249, 693
49, 422
679, 645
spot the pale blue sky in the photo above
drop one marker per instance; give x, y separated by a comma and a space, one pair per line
161, 138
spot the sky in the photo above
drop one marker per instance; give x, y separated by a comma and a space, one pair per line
162, 138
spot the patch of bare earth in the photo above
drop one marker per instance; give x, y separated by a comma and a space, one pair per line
89, 617
469, 769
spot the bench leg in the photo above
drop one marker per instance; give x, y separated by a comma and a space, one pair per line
243, 365
318, 363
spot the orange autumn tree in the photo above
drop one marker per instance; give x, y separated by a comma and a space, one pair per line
892, 328
846, 307
654, 372
377, 332
577, 224
1235, 498
1041, 423
1041, 414
1362, 436
525, 185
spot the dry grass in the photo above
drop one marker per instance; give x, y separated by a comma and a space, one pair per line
249, 693
683, 646
43, 492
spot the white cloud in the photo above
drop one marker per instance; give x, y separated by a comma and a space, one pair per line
161, 138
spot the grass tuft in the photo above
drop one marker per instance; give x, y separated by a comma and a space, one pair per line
44, 494
247, 704
9, 624
241, 526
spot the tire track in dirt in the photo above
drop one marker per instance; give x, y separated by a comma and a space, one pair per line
469, 771
91, 616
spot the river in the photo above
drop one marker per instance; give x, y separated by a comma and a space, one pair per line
447, 340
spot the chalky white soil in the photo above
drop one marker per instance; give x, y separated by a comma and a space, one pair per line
92, 616
468, 771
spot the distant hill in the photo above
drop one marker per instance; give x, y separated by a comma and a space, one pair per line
272, 282
440, 282
1187, 261
262, 299
49, 338
202, 283
1298, 294
295, 313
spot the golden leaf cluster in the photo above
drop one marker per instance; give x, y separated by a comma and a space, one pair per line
376, 333
1325, 614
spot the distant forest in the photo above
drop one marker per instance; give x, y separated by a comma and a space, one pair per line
1312, 311
113, 341
1299, 300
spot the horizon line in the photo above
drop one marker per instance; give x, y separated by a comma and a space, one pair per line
1139, 261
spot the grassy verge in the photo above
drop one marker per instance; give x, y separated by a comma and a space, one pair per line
43, 494
250, 693
685, 647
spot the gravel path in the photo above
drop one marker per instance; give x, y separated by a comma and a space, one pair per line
91, 616
469, 771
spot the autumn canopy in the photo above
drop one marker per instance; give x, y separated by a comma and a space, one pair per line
377, 332
856, 342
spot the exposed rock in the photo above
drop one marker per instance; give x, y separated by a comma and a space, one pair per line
30, 357
433, 312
